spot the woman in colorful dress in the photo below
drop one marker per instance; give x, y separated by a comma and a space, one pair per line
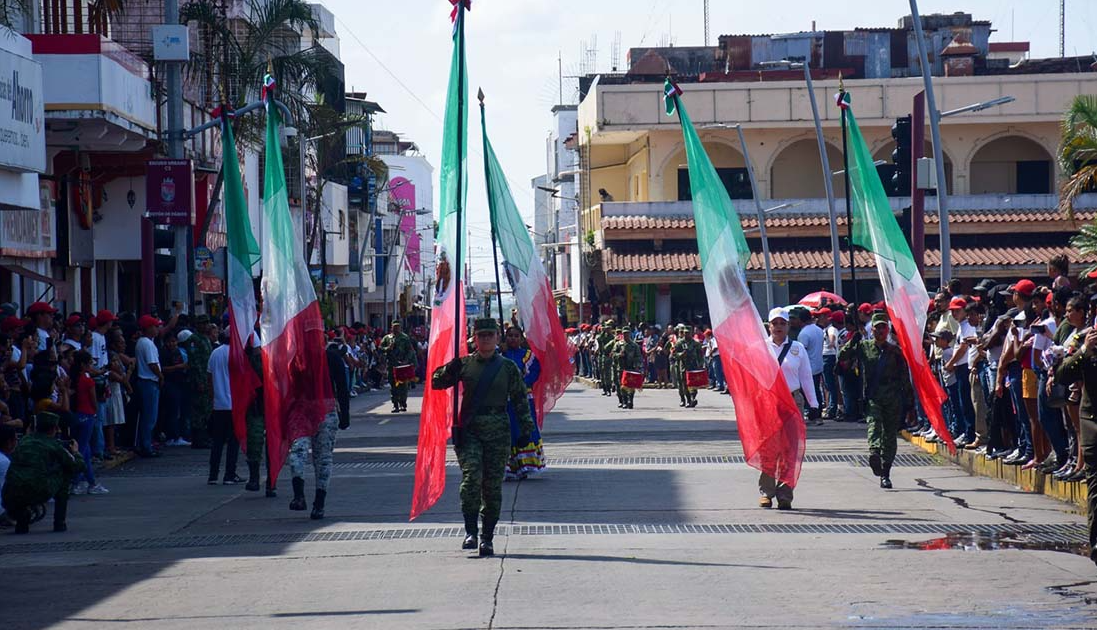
525, 459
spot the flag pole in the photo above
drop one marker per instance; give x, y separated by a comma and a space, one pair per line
849, 210
487, 184
458, 202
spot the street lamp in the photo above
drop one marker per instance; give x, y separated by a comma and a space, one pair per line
978, 107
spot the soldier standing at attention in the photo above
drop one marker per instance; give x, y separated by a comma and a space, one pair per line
627, 356
199, 347
606, 341
482, 435
887, 391
689, 356
399, 350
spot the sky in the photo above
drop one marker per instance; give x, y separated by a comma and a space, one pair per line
399, 52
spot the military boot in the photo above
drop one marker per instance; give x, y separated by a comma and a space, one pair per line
318, 504
253, 477
486, 547
885, 476
60, 512
471, 527
22, 520
298, 503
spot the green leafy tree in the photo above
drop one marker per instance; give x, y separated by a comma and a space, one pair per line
1078, 162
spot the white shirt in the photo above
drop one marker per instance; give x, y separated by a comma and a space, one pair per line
946, 356
797, 369
968, 330
99, 350
43, 337
830, 341
218, 368
147, 355
811, 337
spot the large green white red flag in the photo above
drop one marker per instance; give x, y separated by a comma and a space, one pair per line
771, 427
243, 253
875, 229
447, 326
532, 291
297, 391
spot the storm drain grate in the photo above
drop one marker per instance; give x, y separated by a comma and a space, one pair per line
1067, 533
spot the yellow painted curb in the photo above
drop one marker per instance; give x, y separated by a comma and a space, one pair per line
1027, 480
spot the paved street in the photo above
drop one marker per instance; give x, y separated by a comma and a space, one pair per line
644, 519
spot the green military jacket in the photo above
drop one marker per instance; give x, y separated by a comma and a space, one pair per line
491, 421
893, 382
198, 350
627, 355
688, 354
606, 342
399, 350
40, 467
1080, 366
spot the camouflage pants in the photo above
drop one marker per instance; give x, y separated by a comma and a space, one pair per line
201, 406
256, 432
323, 448
483, 464
398, 393
883, 428
607, 374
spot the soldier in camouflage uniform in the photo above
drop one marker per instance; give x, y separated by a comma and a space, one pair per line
482, 438
606, 342
398, 350
687, 355
199, 347
627, 357
887, 392
256, 424
41, 469
323, 442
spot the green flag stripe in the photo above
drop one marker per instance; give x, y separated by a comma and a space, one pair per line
510, 230
241, 240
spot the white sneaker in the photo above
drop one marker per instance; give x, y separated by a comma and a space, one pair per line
98, 489
170, 443
80, 488
353, 394
182, 442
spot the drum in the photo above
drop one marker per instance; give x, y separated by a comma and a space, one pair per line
696, 379
632, 380
403, 373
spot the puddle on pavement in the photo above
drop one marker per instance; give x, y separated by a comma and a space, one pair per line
974, 541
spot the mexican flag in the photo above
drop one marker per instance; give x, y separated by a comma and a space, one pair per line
875, 229
532, 291
770, 424
297, 391
447, 327
243, 253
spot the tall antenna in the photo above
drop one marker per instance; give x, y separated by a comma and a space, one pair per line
615, 52
1062, 28
592, 52
706, 22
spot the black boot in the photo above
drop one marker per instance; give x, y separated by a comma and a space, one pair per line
60, 511
885, 477
22, 520
318, 504
253, 477
471, 527
298, 503
486, 548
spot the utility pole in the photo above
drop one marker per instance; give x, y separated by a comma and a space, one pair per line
706, 22
828, 184
1062, 28
183, 286
761, 217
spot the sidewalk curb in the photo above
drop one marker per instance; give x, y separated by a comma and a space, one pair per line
1028, 480
121, 458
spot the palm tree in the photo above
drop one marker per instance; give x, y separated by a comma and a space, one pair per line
1078, 161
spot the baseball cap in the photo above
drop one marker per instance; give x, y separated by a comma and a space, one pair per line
944, 334
1024, 287
105, 317
865, 308
184, 335
778, 313
11, 323
40, 307
838, 317
957, 302
73, 320
148, 321
74, 344
823, 312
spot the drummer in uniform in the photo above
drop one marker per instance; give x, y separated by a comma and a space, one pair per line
628, 358
399, 351
688, 356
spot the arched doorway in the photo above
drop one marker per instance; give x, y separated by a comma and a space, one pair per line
1012, 165
797, 173
730, 166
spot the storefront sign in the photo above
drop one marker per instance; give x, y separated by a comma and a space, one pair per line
169, 192
22, 112
30, 233
203, 259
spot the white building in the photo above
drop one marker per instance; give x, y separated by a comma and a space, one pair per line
556, 196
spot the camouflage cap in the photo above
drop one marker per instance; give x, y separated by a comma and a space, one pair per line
485, 324
45, 421
397, 322
880, 318
622, 331
608, 323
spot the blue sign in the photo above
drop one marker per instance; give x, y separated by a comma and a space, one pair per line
472, 308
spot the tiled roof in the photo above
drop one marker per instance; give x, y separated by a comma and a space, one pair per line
797, 260
681, 222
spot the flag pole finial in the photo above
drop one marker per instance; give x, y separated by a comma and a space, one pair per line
480, 96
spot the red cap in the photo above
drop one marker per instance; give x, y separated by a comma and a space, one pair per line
148, 321
93, 322
708, 332
74, 320
865, 308
40, 307
838, 317
331, 334
584, 327
11, 323
104, 317
1050, 299
1024, 287
880, 306
823, 312
957, 302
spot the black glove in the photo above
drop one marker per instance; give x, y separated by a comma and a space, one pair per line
453, 368
814, 413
